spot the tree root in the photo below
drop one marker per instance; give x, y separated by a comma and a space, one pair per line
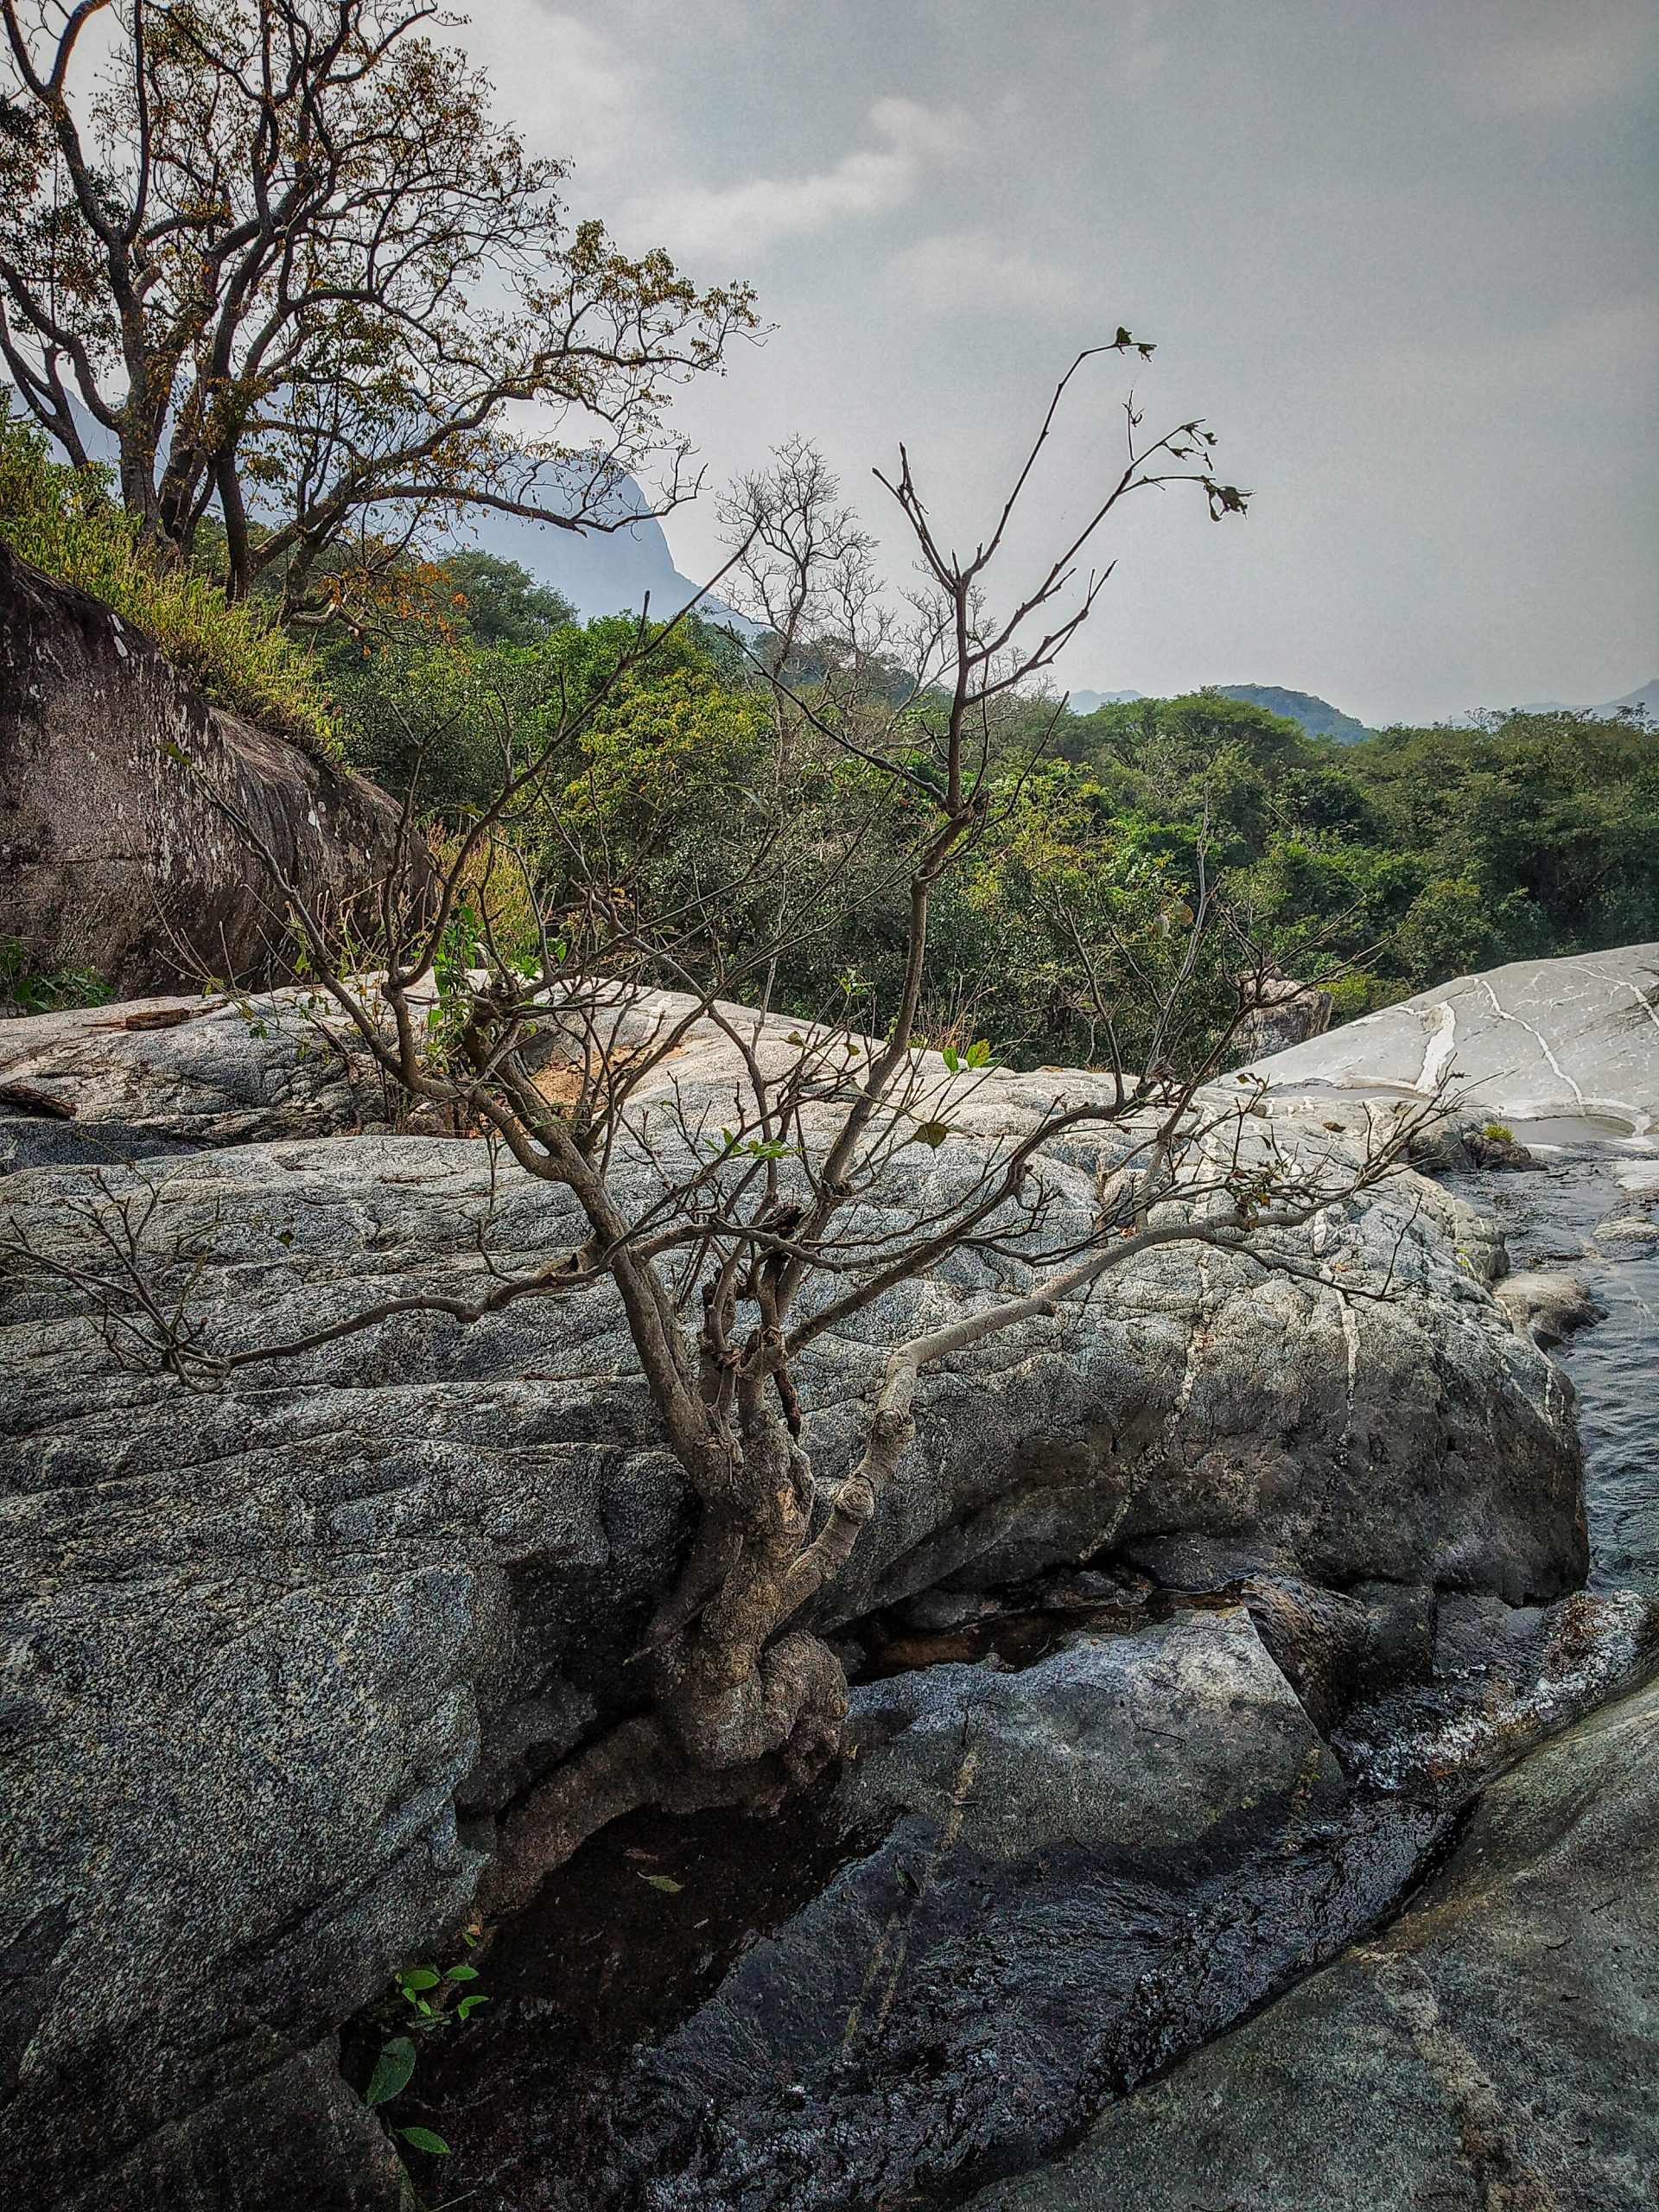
792, 1700
788, 1716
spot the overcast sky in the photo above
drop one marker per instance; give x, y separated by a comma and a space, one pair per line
1402, 254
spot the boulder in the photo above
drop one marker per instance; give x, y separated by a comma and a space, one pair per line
276, 1651
1628, 1236
1463, 1141
1050, 1874
96, 1085
1575, 1039
1498, 2045
1546, 1306
112, 856
1282, 1011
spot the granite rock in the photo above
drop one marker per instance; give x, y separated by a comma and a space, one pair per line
276, 1651
1497, 2046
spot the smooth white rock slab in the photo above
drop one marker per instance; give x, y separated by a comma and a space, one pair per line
1537, 1040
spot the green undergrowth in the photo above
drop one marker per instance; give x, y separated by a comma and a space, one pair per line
384, 2044
25, 988
63, 520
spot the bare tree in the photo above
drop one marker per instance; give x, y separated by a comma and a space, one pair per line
282, 253
736, 1239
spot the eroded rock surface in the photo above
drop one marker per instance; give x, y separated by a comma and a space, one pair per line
277, 1650
1497, 2046
159, 1077
1539, 1040
112, 856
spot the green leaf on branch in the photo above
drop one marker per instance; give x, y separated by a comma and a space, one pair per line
932, 1133
422, 2139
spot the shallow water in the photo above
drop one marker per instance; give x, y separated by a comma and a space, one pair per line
1551, 1222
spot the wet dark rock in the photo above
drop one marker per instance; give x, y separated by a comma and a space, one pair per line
294, 2137
1082, 1868
1547, 1307
1630, 1235
1497, 2046
1487, 1149
1071, 1873
1337, 1648
1504, 1678
1468, 1141
112, 856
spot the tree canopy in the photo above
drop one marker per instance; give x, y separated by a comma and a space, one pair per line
282, 253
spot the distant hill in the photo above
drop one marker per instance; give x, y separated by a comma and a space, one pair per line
1085, 702
1644, 700
1320, 719
1316, 716
600, 572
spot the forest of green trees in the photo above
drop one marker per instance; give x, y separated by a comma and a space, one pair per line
1379, 868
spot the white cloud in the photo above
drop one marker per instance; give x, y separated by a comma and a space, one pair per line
1145, 60
972, 270
751, 216
1541, 72
557, 80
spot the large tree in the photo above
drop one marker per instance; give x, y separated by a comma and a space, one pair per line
738, 1234
283, 255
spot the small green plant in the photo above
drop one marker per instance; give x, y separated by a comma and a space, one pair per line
1497, 1132
424, 2001
978, 1055
35, 990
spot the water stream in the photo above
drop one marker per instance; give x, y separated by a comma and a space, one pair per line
1584, 1217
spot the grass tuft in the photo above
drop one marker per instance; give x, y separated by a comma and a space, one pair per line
64, 521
